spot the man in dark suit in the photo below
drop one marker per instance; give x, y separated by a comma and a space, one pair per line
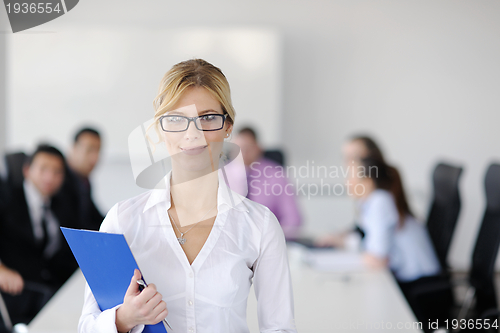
82, 159
3, 182
35, 260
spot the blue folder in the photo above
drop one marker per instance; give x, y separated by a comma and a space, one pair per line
107, 264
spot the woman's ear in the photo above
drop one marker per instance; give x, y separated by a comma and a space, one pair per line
229, 130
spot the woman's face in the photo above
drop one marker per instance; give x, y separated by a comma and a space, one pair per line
193, 149
358, 185
353, 151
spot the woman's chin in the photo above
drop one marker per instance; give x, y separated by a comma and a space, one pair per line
194, 163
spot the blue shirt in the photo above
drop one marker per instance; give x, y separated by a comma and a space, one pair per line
409, 249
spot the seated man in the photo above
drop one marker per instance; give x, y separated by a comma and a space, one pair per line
266, 184
3, 183
82, 159
35, 260
3, 170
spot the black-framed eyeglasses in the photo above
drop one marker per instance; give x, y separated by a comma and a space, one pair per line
206, 122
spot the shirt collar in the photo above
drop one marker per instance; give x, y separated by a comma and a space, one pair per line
226, 198
33, 197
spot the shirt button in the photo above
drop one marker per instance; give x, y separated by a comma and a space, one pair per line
190, 303
191, 329
190, 275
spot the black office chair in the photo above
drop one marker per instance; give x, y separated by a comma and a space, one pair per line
276, 156
15, 163
445, 208
435, 297
481, 276
39, 295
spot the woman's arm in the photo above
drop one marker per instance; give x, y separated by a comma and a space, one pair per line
375, 262
332, 239
379, 221
93, 320
138, 308
272, 281
96, 321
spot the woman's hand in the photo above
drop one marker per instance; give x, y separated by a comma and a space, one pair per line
335, 240
146, 307
11, 282
374, 262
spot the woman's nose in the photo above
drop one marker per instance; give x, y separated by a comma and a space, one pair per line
192, 132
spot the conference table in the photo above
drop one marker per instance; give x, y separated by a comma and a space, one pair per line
335, 297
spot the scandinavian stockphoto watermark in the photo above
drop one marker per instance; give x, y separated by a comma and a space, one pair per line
307, 180
26, 14
151, 162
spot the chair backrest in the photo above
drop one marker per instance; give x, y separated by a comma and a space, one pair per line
15, 163
275, 155
488, 239
445, 208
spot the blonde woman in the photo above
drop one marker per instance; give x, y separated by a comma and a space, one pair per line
199, 244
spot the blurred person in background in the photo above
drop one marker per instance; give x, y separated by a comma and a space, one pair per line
355, 149
390, 235
3, 170
82, 160
34, 258
267, 184
3, 183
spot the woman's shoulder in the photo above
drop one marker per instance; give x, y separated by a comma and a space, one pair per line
380, 203
259, 215
136, 203
380, 197
132, 207
127, 212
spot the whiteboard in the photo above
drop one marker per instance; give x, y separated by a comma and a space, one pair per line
108, 78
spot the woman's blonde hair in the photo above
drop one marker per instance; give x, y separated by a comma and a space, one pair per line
193, 73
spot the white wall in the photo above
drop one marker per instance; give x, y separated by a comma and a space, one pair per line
2, 91
57, 81
421, 76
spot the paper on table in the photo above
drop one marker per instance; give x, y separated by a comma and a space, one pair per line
334, 260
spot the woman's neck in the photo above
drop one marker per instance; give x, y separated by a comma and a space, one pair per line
193, 197
369, 187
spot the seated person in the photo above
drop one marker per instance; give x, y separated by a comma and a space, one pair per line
3, 183
267, 184
35, 260
391, 236
82, 159
3, 170
355, 149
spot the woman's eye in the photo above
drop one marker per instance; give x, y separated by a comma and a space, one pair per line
208, 117
174, 119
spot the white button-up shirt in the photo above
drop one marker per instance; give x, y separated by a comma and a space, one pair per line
246, 243
35, 202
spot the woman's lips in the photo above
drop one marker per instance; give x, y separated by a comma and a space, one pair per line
193, 150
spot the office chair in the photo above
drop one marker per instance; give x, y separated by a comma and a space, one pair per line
445, 208
15, 163
276, 156
6, 323
481, 275
40, 294
436, 296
